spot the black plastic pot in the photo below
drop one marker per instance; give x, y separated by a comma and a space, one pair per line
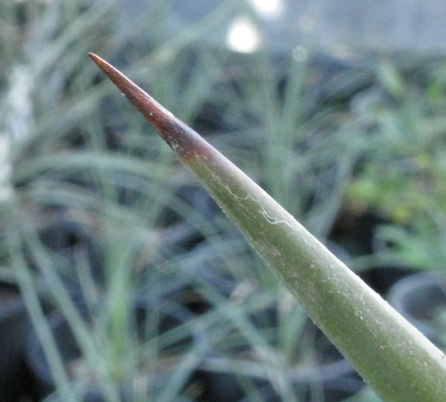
329, 375
355, 232
69, 351
64, 237
66, 241
381, 279
421, 299
14, 328
335, 382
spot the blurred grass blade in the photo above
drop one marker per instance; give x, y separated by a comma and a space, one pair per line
393, 357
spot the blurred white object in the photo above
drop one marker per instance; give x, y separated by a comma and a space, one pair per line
269, 9
243, 36
5, 168
284, 24
19, 106
18, 122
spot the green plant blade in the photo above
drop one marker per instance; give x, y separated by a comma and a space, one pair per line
399, 363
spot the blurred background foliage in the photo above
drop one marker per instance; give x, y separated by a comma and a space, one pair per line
95, 211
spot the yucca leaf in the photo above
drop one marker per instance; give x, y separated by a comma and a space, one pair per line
399, 363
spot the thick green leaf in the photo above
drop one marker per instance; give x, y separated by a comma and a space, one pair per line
398, 362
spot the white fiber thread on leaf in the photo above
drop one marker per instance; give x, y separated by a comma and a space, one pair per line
268, 217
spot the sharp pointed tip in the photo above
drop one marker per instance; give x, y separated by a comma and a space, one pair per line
149, 108
98, 60
174, 132
119, 79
